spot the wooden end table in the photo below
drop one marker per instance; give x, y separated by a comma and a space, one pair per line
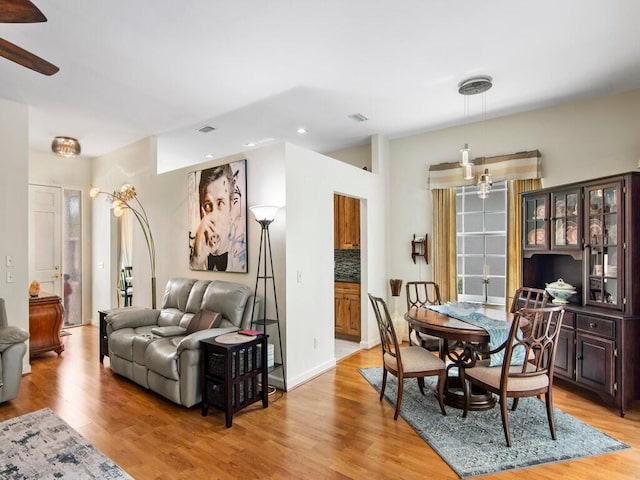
234, 375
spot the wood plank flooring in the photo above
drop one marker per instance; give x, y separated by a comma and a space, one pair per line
332, 427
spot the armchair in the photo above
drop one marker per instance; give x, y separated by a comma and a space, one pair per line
12, 350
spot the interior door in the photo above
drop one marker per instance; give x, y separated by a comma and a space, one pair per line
45, 237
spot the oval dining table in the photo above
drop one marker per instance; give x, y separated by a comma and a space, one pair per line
458, 340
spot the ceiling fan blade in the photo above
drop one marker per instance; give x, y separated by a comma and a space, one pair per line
20, 11
26, 59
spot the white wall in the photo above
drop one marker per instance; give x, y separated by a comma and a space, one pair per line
577, 141
132, 164
46, 168
14, 214
312, 179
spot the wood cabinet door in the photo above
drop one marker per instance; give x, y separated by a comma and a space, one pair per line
346, 232
595, 363
535, 222
347, 310
564, 363
566, 219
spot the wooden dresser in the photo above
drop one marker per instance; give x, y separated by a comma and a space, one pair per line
45, 322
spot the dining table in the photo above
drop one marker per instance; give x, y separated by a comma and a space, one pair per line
461, 343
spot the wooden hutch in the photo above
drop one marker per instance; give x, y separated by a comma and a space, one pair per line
588, 234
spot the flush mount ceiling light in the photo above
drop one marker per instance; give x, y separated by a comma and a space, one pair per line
475, 85
301, 130
65, 146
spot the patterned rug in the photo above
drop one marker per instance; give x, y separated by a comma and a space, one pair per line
40, 445
476, 445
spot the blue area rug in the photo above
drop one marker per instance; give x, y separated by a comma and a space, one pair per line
476, 445
40, 445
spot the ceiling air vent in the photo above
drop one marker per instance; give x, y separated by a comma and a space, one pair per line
206, 129
358, 117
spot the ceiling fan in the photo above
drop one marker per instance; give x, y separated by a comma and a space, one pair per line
23, 11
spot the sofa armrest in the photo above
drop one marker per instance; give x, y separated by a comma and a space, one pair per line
12, 335
132, 318
192, 342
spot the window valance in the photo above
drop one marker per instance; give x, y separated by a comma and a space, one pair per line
516, 166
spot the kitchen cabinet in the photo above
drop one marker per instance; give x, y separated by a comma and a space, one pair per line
587, 233
347, 310
346, 232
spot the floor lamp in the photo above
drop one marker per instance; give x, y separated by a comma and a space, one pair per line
265, 215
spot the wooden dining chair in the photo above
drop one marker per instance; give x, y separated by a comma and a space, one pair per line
420, 294
405, 362
529, 297
517, 379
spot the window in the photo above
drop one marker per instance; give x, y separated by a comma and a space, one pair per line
481, 232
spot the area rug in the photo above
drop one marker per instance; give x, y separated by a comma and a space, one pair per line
476, 445
40, 445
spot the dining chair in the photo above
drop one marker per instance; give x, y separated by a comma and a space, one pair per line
126, 285
529, 297
517, 378
405, 362
421, 294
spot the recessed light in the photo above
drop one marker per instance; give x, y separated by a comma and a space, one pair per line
208, 156
250, 144
206, 129
301, 130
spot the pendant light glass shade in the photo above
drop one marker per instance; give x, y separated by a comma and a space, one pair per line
468, 171
65, 146
484, 184
465, 155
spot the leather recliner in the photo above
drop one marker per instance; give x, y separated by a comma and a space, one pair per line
12, 350
152, 348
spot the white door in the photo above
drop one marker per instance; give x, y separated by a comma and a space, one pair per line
45, 252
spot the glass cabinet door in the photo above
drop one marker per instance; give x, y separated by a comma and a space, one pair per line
566, 227
535, 222
603, 227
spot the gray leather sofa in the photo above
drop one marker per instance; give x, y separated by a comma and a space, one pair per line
152, 347
12, 350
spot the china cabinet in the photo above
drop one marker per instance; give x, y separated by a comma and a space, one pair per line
587, 234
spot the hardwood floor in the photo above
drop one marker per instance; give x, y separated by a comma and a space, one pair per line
332, 427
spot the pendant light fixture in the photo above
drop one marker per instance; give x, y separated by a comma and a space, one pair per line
471, 86
484, 184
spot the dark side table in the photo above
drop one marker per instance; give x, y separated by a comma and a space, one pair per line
234, 373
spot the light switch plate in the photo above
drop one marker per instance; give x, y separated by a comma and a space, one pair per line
10, 277
9, 260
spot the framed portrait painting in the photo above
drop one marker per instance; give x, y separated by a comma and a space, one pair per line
218, 218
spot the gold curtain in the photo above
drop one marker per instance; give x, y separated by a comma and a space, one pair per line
514, 232
444, 243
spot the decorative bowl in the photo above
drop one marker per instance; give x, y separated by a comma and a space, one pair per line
560, 291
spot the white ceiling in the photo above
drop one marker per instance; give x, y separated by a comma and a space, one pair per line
258, 69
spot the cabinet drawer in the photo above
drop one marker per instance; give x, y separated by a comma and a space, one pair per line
596, 325
569, 320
